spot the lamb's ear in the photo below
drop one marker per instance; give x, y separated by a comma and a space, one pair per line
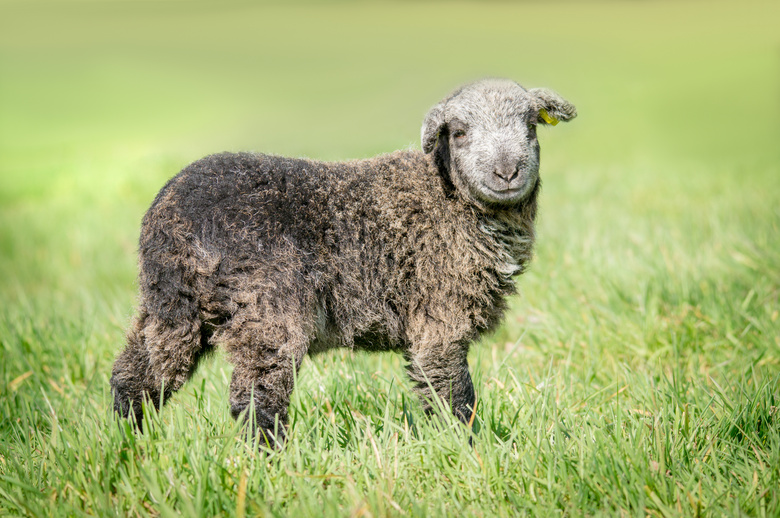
432, 124
554, 108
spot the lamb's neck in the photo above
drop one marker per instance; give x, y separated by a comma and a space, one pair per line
513, 231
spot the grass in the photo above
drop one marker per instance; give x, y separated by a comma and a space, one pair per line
637, 373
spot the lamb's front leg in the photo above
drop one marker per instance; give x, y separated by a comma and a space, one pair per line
443, 368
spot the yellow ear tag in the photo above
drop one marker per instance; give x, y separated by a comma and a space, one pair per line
546, 117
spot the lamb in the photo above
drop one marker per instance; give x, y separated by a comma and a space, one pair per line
273, 258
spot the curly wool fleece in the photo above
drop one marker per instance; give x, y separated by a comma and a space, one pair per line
272, 258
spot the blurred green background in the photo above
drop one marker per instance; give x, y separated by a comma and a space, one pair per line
100, 102
657, 257
91, 92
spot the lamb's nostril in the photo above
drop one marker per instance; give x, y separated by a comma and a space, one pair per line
507, 173
509, 167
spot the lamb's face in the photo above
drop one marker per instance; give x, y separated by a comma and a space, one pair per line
486, 133
492, 139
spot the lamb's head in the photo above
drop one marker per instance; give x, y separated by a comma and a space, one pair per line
484, 134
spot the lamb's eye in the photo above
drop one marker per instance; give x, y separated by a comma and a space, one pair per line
458, 133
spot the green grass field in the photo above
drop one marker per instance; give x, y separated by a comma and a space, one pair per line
638, 373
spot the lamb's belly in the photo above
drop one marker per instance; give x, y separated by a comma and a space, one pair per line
369, 341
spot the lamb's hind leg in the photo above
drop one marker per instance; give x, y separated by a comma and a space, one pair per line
266, 355
158, 359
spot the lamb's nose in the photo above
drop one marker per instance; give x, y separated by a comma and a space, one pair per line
509, 170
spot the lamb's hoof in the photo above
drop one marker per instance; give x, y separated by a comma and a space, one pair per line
125, 408
266, 429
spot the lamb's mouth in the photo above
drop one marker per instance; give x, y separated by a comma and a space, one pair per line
508, 191
508, 194
513, 191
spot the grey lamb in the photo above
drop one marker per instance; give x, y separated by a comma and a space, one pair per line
273, 258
